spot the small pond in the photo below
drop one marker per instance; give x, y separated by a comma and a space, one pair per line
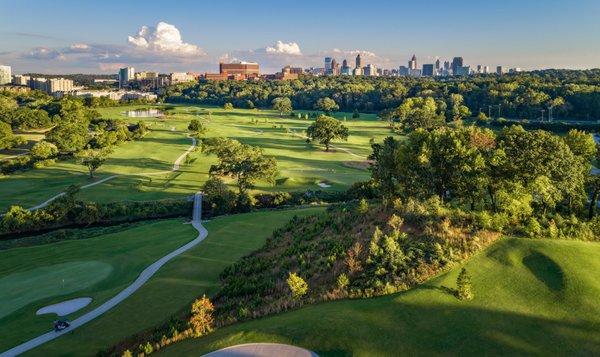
144, 113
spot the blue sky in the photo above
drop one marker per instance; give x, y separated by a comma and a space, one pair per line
39, 35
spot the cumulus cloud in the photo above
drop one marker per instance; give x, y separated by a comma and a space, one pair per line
163, 38
289, 48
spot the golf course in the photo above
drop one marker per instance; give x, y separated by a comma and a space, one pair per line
302, 165
108, 263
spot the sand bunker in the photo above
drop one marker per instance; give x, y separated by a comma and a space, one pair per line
324, 185
66, 307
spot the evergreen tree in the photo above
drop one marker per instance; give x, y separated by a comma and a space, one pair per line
464, 285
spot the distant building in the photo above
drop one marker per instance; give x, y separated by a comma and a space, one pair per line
55, 85
335, 67
145, 75
358, 62
5, 74
428, 70
246, 69
403, 71
456, 63
515, 70
500, 70
21, 80
358, 71
115, 95
462, 71
126, 74
345, 69
39, 84
370, 70
486, 69
181, 77
328, 66
412, 64
437, 65
287, 73
415, 73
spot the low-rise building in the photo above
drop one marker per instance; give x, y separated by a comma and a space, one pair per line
21, 80
114, 95
5, 74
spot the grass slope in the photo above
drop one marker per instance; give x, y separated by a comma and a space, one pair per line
177, 284
99, 267
532, 297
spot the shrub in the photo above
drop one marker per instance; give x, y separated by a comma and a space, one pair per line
363, 206
464, 285
343, 281
228, 106
297, 285
202, 319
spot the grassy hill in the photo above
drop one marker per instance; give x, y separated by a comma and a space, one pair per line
532, 297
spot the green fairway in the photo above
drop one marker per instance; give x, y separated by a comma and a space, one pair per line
532, 297
302, 165
99, 267
177, 284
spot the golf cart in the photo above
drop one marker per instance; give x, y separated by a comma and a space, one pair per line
60, 325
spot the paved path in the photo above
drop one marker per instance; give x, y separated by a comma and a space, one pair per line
176, 166
262, 350
141, 280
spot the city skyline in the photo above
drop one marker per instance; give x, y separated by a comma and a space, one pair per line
39, 37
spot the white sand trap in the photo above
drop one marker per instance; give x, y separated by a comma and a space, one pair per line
323, 185
66, 307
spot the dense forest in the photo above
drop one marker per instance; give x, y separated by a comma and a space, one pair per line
570, 94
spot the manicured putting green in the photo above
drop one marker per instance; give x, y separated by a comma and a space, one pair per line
19, 289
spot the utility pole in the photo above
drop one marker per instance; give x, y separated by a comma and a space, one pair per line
499, 110
550, 113
543, 114
489, 111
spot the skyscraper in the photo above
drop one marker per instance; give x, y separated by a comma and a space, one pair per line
500, 70
428, 70
126, 74
5, 74
358, 62
437, 64
335, 67
412, 64
328, 65
456, 63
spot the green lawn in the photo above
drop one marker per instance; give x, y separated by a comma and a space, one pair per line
302, 166
98, 267
532, 297
178, 283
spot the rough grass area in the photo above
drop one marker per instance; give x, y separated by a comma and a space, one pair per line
532, 297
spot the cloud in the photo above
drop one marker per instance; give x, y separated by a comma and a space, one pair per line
289, 48
164, 38
43, 53
79, 47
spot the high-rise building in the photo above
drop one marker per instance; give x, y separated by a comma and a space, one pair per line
345, 68
358, 62
21, 80
5, 74
462, 71
500, 70
358, 71
403, 71
39, 84
428, 70
479, 68
335, 67
447, 65
486, 69
126, 74
412, 64
370, 70
437, 64
456, 63
327, 66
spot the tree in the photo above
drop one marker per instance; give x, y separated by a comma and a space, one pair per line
327, 105
197, 128
7, 138
43, 150
202, 319
244, 162
419, 112
325, 129
581, 144
69, 136
282, 104
463, 284
458, 110
218, 195
363, 206
93, 159
297, 285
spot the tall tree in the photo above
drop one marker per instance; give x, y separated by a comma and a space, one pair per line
283, 105
325, 129
327, 105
